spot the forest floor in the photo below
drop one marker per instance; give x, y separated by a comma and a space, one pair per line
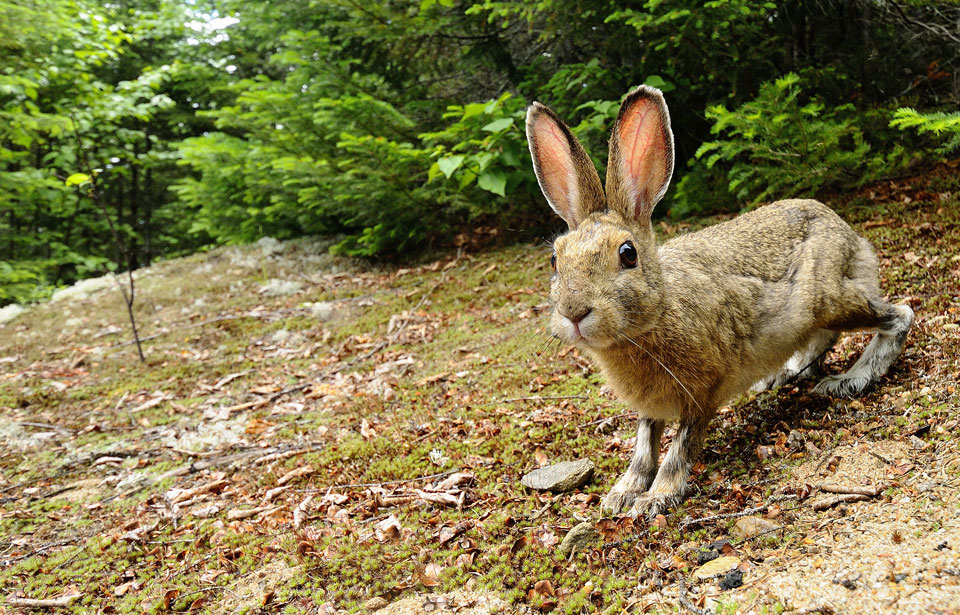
309, 436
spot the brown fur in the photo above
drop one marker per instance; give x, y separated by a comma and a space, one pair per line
705, 316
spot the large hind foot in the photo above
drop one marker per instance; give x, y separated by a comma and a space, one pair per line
895, 321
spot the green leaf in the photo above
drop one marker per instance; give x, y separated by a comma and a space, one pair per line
655, 81
448, 164
77, 179
498, 125
493, 180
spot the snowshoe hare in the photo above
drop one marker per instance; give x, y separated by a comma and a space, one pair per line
679, 329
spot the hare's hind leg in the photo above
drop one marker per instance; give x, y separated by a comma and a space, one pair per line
642, 469
892, 323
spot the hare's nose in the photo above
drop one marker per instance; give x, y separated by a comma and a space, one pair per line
576, 314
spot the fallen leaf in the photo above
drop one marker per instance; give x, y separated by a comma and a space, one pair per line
387, 530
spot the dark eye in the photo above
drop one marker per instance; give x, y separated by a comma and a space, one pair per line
553, 261
628, 255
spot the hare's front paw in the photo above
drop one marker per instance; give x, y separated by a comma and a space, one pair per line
652, 504
618, 501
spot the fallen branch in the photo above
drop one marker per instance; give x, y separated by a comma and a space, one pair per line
44, 602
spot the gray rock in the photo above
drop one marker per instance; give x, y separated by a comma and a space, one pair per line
559, 477
577, 538
716, 567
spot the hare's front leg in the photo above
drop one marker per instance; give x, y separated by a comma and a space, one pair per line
642, 469
670, 485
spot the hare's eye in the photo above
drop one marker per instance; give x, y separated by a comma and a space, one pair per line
628, 255
553, 261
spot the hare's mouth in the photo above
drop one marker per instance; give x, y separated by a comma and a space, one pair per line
583, 330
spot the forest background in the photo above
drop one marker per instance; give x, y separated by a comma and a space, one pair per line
397, 127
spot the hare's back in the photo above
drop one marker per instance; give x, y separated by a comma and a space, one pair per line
768, 242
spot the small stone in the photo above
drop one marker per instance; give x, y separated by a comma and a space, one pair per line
323, 310
716, 567
732, 579
374, 604
578, 537
850, 584
748, 527
559, 477
707, 556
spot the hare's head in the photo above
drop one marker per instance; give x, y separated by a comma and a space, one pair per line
607, 288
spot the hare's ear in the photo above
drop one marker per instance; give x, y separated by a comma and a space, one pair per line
565, 172
641, 154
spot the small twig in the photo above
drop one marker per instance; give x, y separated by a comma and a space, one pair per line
396, 334
56, 428
535, 398
44, 602
826, 457
881, 458
742, 513
380, 484
609, 418
685, 603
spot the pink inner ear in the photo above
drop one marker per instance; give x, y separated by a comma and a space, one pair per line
555, 162
643, 150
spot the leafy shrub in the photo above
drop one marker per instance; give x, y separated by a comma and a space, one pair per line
777, 146
486, 147
942, 125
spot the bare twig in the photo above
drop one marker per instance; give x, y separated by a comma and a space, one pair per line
44, 602
881, 458
535, 398
380, 484
742, 513
685, 602
94, 195
609, 418
56, 428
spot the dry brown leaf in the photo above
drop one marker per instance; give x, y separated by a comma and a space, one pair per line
388, 530
429, 575
366, 430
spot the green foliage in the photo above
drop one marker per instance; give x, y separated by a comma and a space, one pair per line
777, 145
941, 124
392, 126
79, 126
